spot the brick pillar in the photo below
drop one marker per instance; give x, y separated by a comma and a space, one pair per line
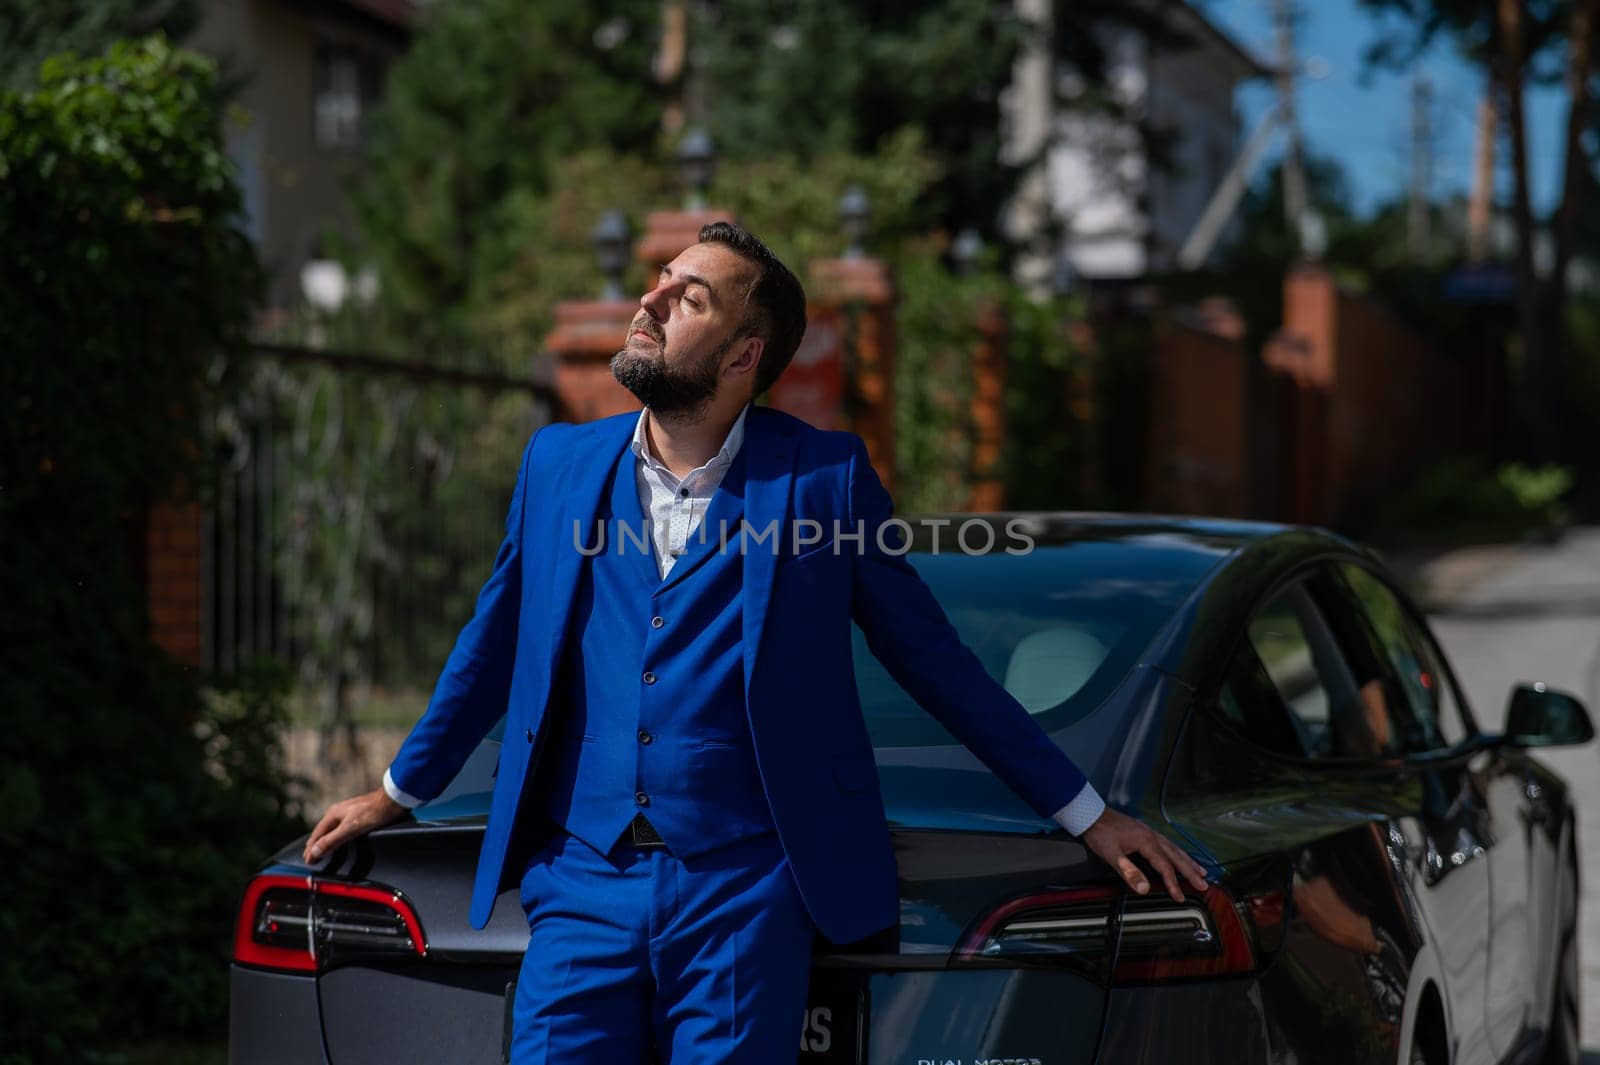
587, 334
1078, 400
172, 569
865, 288
989, 410
1302, 356
668, 233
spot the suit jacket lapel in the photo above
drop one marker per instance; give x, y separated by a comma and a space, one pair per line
772, 447
628, 531
577, 494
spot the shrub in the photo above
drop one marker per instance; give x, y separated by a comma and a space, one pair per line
124, 268
1466, 499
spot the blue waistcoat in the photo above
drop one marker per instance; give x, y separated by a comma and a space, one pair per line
652, 708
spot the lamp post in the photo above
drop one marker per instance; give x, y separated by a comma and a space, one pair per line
324, 284
1063, 277
854, 209
965, 251
987, 401
611, 239
697, 161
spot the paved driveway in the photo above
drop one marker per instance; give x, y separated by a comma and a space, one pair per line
1533, 613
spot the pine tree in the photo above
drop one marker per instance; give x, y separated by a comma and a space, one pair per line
492, 95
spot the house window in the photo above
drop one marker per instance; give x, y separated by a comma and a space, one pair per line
345, 89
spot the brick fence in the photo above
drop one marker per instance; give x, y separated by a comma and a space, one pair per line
171, 562
1369, 401
1196, 451
1347, 404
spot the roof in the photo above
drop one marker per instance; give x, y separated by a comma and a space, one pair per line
399, 14
1185, 17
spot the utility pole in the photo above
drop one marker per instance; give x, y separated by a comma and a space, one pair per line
1294, 177
1480, 206
670, 64
1417, 235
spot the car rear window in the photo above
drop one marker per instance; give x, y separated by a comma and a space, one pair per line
1059, 627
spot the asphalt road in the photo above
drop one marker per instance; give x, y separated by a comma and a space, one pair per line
1532, 613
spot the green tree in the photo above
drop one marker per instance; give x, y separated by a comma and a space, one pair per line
808, 80
491, 96
1519, 42
134, 810
31, 31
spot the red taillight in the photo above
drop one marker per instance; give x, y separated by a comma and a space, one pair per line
1165, 940
1070, 923
1156, 939
300, 923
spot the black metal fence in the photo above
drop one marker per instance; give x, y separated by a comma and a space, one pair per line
356, 508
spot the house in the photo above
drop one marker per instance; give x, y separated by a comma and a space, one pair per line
1119, 169
309, 73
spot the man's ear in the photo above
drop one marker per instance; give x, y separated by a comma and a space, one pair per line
745, 356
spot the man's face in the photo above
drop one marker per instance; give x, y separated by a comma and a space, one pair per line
686, 330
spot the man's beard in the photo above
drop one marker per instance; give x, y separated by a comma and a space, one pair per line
682, 392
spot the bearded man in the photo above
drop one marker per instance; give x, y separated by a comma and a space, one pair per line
686, 795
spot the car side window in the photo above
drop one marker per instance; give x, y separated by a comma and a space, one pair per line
1289, 688
1423, 699
1249, 700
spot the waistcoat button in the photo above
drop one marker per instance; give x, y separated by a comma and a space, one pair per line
657, 622
645, 737
641, 798
649, 678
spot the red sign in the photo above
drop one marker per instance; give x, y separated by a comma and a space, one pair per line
812, 388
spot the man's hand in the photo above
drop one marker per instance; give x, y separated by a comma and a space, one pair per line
1116, 837
349, 819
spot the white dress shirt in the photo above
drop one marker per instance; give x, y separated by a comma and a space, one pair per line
674, 506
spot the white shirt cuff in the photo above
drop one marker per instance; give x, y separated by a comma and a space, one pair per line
1081, 812
410, 802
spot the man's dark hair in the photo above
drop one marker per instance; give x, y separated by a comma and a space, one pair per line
775, 303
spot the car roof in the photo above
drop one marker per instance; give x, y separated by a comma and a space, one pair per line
1067, 526
1232, 562
1204, 534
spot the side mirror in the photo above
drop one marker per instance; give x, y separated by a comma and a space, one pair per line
1541, 717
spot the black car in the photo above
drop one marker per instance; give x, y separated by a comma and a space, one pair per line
1390, 882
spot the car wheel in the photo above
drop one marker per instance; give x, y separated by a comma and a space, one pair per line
1562, 1048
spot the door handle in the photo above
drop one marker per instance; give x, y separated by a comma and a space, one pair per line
1539, 810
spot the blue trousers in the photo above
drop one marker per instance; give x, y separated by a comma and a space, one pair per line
640, 956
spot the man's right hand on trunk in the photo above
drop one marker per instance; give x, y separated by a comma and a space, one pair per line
349, 819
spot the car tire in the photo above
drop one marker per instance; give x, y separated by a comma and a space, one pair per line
1562, 1046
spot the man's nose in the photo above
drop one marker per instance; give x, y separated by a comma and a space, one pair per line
655, 302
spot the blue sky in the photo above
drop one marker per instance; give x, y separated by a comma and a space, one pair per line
1363, 119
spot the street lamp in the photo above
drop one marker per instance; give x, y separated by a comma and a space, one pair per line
854, 208
697, 160
611, 238
324, 284
1063, 275
965, 251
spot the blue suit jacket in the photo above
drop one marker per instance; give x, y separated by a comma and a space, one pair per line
811, 742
